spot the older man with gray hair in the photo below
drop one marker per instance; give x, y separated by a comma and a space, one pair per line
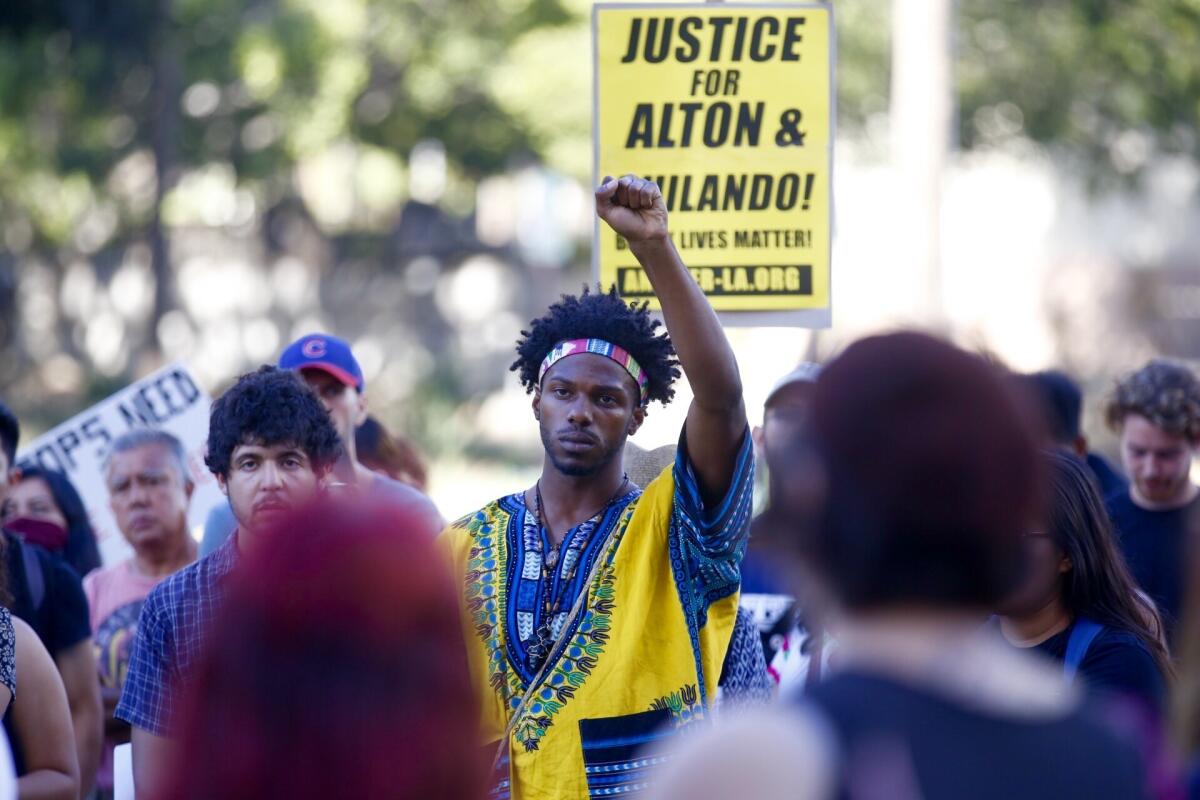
149, 487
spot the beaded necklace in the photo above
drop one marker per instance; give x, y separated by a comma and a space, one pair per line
539, 650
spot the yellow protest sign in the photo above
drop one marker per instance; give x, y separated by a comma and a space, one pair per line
728, 107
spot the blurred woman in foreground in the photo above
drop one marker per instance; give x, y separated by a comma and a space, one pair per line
37, 720
338, 670
1079, 604
906, 505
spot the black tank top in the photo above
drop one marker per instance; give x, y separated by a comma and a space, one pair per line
904, 743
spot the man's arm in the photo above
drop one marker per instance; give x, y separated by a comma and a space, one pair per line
716, 420
146, 698
113, 727
77, 666
150, 754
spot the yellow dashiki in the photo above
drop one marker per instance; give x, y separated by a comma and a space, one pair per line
639, 661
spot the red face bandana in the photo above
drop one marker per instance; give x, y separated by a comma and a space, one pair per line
39, 532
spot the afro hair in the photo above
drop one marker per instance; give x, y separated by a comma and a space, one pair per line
601, 315
270, 406
1165, 393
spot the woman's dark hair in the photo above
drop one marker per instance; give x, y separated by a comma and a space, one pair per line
81, 551
1098, 585
10, 434
389, 453
930, 473
601, 315
339, 669
270, 406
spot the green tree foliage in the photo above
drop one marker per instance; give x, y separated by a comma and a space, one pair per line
118, 118
256, 85
1106, 85
107, 106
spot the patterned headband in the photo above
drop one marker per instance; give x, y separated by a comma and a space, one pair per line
575, 347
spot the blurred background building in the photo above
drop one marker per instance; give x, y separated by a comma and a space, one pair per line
204, 181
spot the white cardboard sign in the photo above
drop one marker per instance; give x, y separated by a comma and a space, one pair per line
169, 399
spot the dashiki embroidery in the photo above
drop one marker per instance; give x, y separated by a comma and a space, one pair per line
681, 704
509, 532
654, 577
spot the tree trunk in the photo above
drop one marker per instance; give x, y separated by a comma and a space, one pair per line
168, 78
921, 104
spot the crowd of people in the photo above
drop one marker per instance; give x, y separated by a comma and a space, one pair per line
937, 590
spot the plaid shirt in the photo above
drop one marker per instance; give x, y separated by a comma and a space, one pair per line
170, 633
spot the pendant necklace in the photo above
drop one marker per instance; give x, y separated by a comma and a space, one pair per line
539, 650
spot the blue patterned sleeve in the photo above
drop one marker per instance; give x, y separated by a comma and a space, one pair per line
712, 541
146, 698
744, 677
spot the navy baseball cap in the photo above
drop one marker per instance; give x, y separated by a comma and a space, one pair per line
806, 372
326, 353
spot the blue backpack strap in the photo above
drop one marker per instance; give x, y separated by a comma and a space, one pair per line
1083, 634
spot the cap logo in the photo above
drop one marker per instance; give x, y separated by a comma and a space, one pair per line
313, 348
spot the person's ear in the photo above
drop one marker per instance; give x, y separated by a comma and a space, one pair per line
221, 484
188, 488
1065, 565
12, 476
635, 422
537, 404
1080, 446
758, 436
360, 415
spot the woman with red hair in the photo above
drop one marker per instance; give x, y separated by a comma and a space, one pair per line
337, 670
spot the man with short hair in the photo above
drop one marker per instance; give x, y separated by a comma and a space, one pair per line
330, 368
47, 594
786, 409
792, 646
270, 447
1156, 412
149, 488
598, 613
327, 364
1061, 402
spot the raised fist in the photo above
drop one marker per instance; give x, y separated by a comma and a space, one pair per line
633, 207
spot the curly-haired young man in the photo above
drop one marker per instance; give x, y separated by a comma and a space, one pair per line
1156, 412
329, 367
270, 445
597, 612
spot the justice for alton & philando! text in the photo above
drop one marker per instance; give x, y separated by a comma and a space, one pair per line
727, 110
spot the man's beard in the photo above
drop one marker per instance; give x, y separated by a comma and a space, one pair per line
578, 470
1165, 494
